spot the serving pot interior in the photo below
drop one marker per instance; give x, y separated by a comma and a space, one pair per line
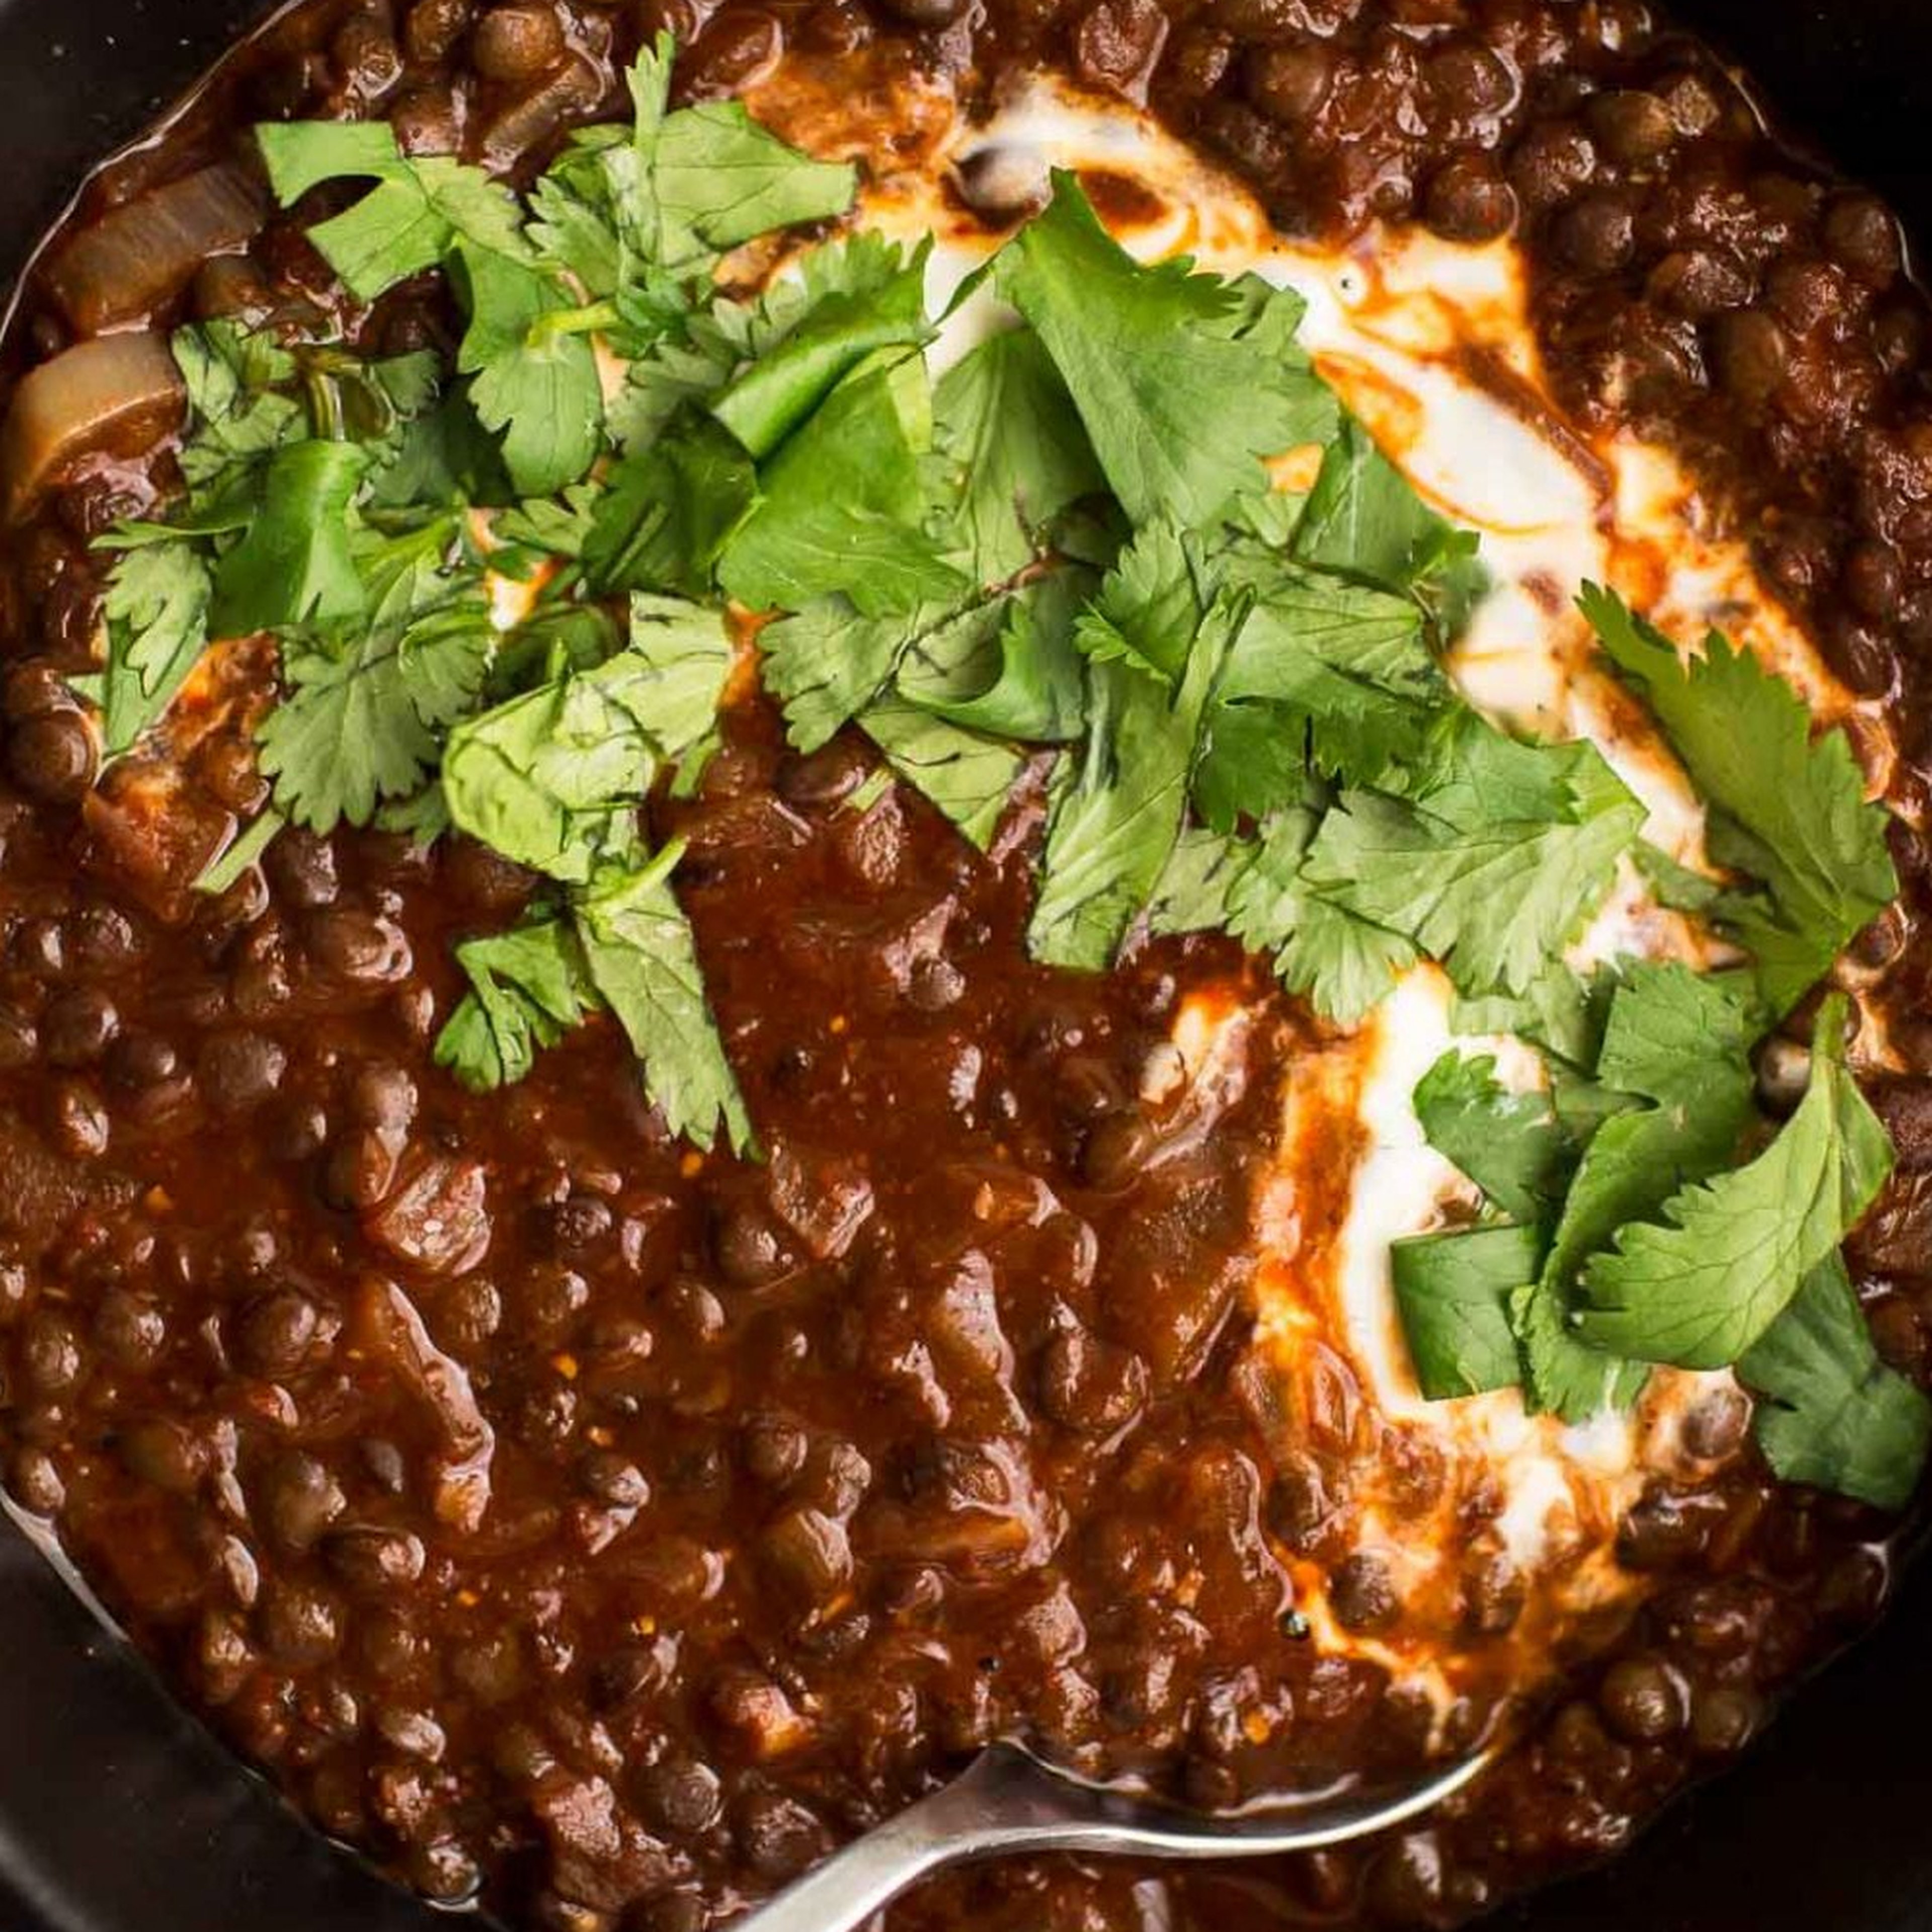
119, 1813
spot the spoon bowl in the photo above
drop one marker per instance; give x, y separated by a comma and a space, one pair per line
1007, 1801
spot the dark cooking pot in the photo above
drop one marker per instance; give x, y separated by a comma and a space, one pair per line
119, 1814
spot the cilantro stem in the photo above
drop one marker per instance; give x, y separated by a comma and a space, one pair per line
324, 395
572, 322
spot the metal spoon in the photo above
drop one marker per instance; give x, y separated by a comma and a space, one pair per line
1008, 1800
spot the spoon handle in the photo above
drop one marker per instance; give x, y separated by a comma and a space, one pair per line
843, 1893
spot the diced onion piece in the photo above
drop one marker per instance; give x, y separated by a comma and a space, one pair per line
117, 392
147, 249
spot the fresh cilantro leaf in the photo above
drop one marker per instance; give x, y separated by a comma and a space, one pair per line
1829, 1412
1699, 1288
1343, 964
444, 457
1014, 451
643, 959
771, 397
422, 818
1678, 1044
1149, 607
345, 734
718, 175
572, 224
667, 511
966, 774
1191, 894
528, 987
466, 201
1364, 518
1784, 808
364, 707
536, 384
1253, 763
1557, 1011
1675, 887
1117, 803
685, 653
1495, 867
552, 778
683, 368
295, 563
1452, 1291
1563, 1375
405, 223
1180, 404
156, 607
302, 154
236, 415
1342, 666
556, 527
828, 662
1509, 1144
1018, 675
844, 502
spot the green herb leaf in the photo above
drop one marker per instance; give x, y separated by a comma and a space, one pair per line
552, 778
1343, 964
1015, 453
770, 397
363, 709
684, 655
1784, 808
1007, 667
302, 154
295, 563
1345, 669
1149, 607
236, 414
1180, 403
1191, 894
844, 503
828, 662
1678, 1044
717, 173
642, 958
537, 385
1830, 1413
156, 606
1452, 1291
668, 510
1557, 1011
405, 223
1364, 518
1699, 1288
1496, 866
1118, 803
967, 776
528, 987
1509, 1144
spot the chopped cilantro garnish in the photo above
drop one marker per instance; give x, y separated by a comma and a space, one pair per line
1698, 1288
1453, 1292
1182, 393
1830, 1413
1785, 808
156, 608
501, 603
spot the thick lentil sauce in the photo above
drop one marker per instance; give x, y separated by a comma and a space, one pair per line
806, 1479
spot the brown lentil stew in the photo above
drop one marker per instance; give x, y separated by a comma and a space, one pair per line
808, 1478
